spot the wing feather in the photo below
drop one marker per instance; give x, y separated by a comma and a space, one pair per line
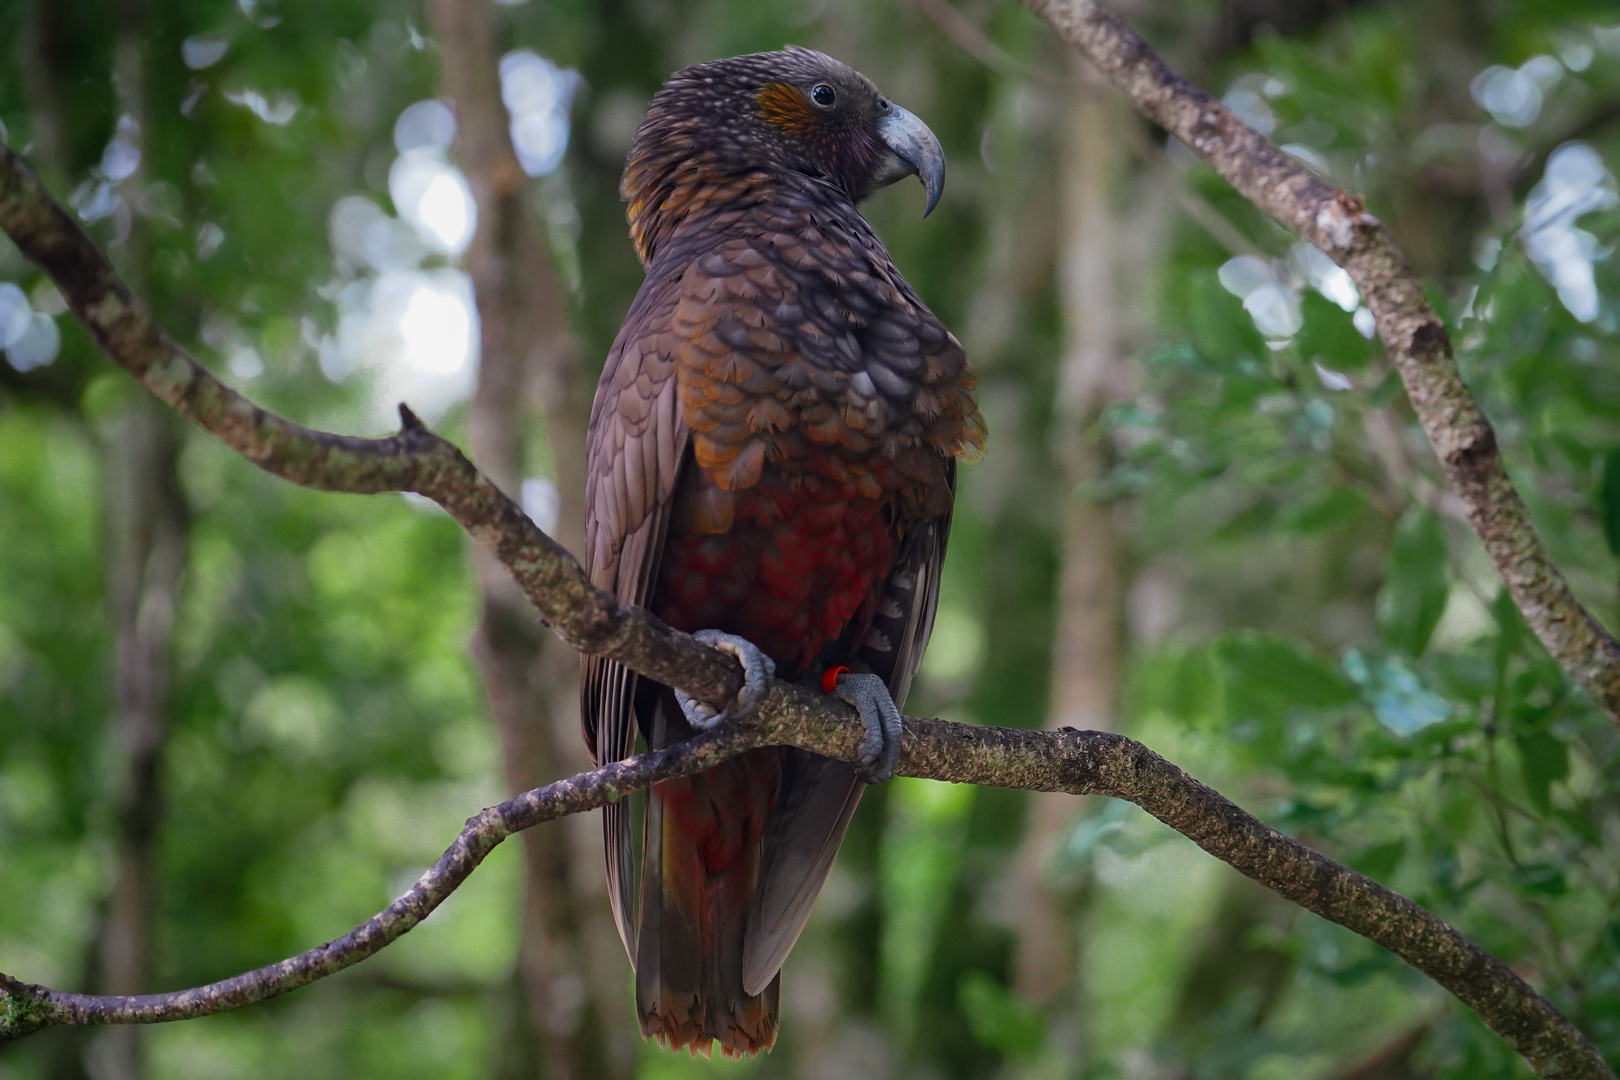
636, 441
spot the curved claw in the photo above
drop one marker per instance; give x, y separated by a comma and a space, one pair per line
880, 750
758, 671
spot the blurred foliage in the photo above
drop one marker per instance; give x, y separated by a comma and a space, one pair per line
1312, 628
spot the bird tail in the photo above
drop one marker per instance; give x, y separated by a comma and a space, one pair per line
700, 867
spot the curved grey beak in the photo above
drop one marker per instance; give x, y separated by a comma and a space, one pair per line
916, 152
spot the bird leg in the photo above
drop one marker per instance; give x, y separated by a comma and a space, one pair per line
758, 671
880, 750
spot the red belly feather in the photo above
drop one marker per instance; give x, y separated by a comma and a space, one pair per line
795, 568
791, 573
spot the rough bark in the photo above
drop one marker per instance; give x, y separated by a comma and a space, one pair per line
1413, 335
531, 678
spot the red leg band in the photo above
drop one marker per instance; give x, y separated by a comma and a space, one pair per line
829, 678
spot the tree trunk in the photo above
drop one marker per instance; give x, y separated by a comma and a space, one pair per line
149, 523
148, 526
1096, 248
571, 963
37, 52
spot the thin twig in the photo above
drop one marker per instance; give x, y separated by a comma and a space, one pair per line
1413, 334
977, 44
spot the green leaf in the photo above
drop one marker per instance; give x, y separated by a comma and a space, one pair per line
1333, 508
999, 1019
1182, 684
1379, 861
1543, 758
1328, 335
1220, 328
1512, 630
1545, 879
1609, 502
1398, 698
1092, 831
1387, 391
1415, 586
1580, 825
1252, 520
1268, 679
1265, 676
1177, 355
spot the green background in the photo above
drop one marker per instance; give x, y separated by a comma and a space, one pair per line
1291, 607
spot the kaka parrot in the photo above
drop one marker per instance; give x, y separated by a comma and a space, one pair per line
772, 461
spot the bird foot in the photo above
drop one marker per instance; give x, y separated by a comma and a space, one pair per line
880, 750
758, 670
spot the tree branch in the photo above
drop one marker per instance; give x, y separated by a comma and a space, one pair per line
1076, 762
28, 1008
1071, 761
1413, 334
413, 460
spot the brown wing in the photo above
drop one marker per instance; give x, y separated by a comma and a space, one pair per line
636, 441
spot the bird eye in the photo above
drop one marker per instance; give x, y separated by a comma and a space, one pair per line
823, 95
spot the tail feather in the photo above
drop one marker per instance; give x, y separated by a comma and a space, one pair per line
700, 866
818, 797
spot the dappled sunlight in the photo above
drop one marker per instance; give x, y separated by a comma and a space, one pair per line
30, 338
433, 196
278, 111
199, 51
1513, 96
415, 332
406, 317
537, 93
542, 502
1576, 183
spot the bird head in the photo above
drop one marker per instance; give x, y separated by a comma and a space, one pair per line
791, 111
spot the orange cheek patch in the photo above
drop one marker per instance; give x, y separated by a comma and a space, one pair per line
784, 106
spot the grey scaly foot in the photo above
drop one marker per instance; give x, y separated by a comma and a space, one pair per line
758, 670
880, 750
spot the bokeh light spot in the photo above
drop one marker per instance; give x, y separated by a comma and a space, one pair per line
433, 196
38, 345
537, 93
200, 52
427, 125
